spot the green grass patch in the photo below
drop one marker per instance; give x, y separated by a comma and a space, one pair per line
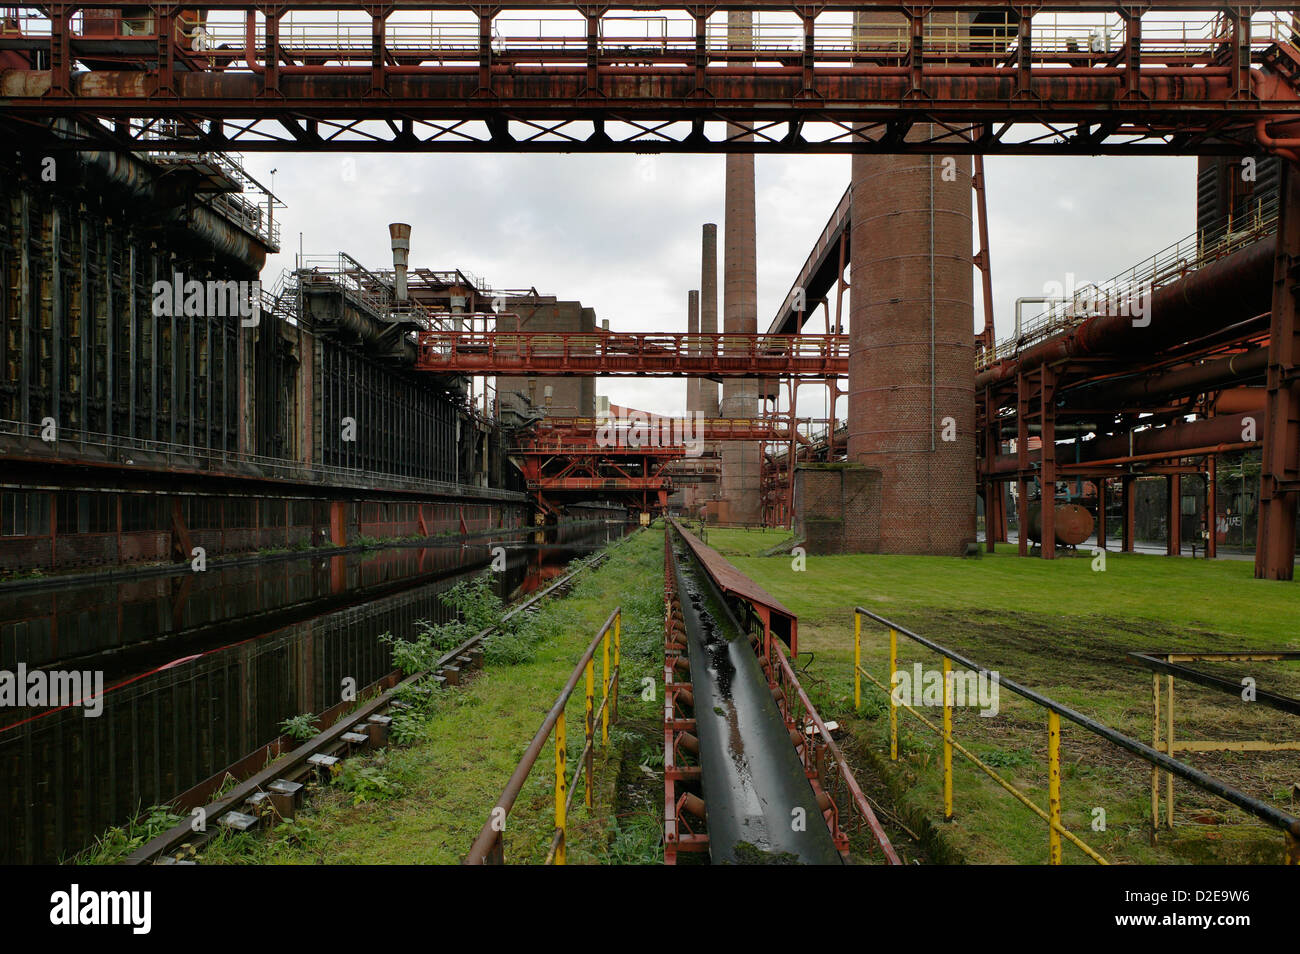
1063, 629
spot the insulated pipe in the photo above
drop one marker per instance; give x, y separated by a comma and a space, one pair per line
1157, 443
1182, 382
753, 781
1236, 287
124, 171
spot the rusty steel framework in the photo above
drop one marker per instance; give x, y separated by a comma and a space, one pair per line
1048, 77
732, 355
1104, 395
567, 459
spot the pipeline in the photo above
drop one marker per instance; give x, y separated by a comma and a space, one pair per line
138, 180
1183, 382
1233, 289
757, 799
1226, 431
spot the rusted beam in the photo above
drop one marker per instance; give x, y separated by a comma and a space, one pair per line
1280, 471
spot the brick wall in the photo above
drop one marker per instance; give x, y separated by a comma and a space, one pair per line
837, 509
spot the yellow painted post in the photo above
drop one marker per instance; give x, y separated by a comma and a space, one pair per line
618, 660
561, 785
604, 693
1053, 787
1169, 748
589, 761
1155, 744
893, 708
857, 661
947, 739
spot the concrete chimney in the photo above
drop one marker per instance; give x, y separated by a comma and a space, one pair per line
400, 234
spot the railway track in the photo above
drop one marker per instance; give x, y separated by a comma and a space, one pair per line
277, 791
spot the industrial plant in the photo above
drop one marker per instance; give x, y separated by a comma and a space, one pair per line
347, 555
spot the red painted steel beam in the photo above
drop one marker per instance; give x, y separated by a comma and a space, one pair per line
588, 484
1279, 479
657, 432
642, 355
1168, 95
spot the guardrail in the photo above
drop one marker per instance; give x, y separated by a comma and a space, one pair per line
489, 846
295, 763
1288, 824
114, 448
1169, 665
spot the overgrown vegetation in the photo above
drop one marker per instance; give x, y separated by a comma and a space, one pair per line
425, 798
116, 844
300, 727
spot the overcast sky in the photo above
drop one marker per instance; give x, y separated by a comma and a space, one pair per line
621, 233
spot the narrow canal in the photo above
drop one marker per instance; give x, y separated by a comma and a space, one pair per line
200, 669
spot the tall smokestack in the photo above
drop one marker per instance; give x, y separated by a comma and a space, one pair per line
692, 328
708, 400
741, 479
400, 233
692, 383
911, 343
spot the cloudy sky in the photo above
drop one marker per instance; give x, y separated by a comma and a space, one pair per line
621, 233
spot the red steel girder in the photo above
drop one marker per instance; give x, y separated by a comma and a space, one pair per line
657, 433
1157, 93
1279, 479
643, 355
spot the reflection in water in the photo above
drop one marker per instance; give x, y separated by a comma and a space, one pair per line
201, 668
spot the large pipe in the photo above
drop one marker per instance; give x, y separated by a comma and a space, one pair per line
1235, 288
123, 171
1156, 443
1181, 382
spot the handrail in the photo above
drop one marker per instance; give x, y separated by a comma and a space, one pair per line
217, 460
488, 847
1287, 823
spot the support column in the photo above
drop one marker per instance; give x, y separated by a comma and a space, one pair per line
1102, 485
742, 491
1128, 527
912, 348
1174, 495
1279, 479
1022, 464
1212, 507
1047, 410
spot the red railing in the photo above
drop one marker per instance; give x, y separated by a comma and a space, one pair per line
609, 353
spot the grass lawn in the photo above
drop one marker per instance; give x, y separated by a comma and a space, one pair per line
425, 802
1064, 629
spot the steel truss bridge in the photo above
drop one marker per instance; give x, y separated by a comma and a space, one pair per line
946, 76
